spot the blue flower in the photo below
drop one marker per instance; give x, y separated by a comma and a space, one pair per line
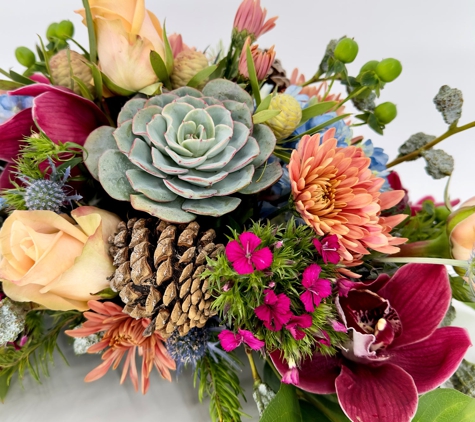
378, 157
12, 104
294, 90
343, 133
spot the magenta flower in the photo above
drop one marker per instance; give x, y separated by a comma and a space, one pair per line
229, 340
296, 323
316, 288
328, 248
58, 112
275, 312
291, 376
243, 254
338, 326
396, 350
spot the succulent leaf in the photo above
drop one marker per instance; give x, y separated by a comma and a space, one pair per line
99, 140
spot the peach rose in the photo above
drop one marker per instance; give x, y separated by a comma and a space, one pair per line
126, 33
461, 230
55, 261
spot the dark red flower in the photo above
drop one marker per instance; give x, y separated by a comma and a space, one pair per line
396, 349
58, 112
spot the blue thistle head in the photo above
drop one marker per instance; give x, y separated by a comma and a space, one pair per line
188, 349
48, 194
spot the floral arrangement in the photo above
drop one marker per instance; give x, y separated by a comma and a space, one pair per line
184, 208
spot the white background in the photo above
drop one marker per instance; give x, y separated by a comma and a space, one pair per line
434, 41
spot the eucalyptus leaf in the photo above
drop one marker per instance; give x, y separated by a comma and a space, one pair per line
316, 110
201, 76
445, 405
160, 69
284, 408
264, 115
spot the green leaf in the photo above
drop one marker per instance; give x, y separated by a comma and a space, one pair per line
20, 78
270, 378
9, 85
445, 405
97, 77
85, 52
374, 124
327, 406
316, 110
265, 103
46, 57
107, 293
84, 90
251, 69
201, 76
91, 32
115, 88
461, 289
160, 69
264, 115
168, 51
311, 413
5, 73
4, 385
284, 408
316, 128
369, 78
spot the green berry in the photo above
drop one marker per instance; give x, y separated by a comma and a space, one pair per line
388, 69
385, 112
371, 65
25, 56
51, 32
346, 50
65, 29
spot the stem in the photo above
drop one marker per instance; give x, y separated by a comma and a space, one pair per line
255, 373
313, 79
418, 260
329, 89
451, 131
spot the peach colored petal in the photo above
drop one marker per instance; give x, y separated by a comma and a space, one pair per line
89, 224
31, 293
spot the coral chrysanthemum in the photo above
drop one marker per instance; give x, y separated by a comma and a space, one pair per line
123, 336
335, 192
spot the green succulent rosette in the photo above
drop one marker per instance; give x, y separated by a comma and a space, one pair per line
184, 153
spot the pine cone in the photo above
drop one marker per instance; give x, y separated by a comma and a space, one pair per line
277, 76
159, 277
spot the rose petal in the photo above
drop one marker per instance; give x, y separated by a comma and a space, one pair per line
421, 295
229, 340
376, 393
433, 360
316, 375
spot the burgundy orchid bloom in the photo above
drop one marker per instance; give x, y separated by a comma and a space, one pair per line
316, 288
328, 248
296, 323
244, 256
229, 340
275, 312
58, 112
397, 350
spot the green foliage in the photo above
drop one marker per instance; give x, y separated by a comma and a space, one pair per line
218, 380
284, 407
237, 296
445, 405
34, 151
36, 355
464, 378
428, 223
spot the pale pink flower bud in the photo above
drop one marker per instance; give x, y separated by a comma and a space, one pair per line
250, 17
